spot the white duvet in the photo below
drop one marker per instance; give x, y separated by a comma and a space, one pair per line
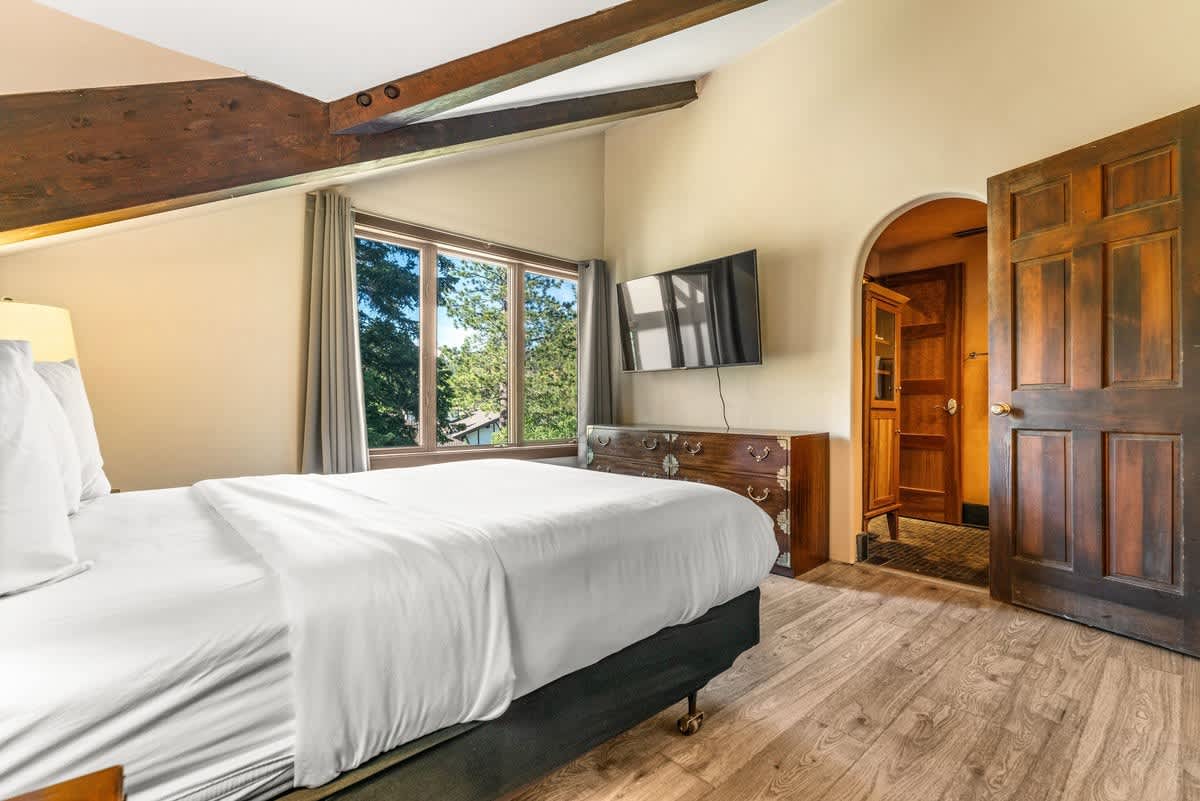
411, 600
398, 618
170, 657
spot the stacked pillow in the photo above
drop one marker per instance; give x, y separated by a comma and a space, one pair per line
66, 382
49, 463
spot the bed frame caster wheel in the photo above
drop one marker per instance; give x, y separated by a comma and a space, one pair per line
690, 723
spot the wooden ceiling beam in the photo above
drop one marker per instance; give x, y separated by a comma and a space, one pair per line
488, 72
71, 160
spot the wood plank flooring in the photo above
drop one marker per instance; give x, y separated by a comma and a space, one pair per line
869, 685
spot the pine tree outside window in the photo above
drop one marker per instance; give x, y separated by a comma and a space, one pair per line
463, 349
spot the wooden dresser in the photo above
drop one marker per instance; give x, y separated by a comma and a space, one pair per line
784, 472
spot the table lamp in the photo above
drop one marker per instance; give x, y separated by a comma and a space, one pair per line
46, 328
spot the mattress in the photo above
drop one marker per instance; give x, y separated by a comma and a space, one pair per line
595, 561
171, 656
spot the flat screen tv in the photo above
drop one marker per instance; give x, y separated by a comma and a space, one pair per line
705, 315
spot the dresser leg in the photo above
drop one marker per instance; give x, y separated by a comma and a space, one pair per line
690, 723
894, 524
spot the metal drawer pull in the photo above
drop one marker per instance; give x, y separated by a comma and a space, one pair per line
759, 457
649, 447
693, 451
757, 498
603, 441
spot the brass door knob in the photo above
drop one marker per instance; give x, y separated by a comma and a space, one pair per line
1001, 409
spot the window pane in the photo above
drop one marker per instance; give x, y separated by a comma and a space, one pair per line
885, 354
472, 355
389, 291
550, 348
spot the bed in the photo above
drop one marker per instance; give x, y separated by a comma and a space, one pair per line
239, 639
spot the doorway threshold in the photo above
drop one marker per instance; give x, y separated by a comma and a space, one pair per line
935, 550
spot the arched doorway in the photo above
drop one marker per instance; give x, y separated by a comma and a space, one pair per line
931, 451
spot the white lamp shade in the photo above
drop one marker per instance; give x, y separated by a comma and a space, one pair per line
46, 328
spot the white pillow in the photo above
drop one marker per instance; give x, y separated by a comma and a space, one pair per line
36, 546
66, 383
63, 442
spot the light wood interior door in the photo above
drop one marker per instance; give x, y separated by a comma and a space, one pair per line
882, 348
1094, 278
930, 391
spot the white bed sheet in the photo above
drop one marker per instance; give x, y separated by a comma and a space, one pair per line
169, 656
595, 561
172, 656
398, 622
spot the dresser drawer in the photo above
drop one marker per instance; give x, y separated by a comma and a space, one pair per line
619, 443
763, 490
626, 467
732, 452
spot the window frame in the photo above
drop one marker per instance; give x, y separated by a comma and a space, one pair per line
429, 242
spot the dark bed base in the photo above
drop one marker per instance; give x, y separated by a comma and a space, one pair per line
553, 725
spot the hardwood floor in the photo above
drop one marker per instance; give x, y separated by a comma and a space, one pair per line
872, 685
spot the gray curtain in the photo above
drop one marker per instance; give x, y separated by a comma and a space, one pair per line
335, 438
595, 350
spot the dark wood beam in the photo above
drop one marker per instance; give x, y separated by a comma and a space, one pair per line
71, 160
488, 72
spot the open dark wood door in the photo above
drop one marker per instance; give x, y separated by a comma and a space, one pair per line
930, 391
1094, 284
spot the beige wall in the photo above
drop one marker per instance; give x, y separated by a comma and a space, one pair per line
44, 50
544, 194
191, 326
804, 148
971, 252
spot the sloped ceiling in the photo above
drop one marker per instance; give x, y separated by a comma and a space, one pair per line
44, 50
330, 50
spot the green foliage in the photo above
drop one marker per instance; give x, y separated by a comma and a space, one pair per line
475, 372
550, 358
472, 376
388, 336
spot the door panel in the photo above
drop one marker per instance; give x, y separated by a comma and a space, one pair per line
1141, 180
1094, 286
1041, 486
1041, 206
1142, 528
1041, 288
1142, 317
930, 375
881, 460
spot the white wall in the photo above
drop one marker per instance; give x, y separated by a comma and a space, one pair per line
191, 326
803, 148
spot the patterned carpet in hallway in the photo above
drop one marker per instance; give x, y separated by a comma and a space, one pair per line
956, 553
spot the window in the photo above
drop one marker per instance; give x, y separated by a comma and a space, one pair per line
550, 357
463, 344
389, 340
472, 351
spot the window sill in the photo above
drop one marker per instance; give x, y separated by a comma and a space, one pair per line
385, 458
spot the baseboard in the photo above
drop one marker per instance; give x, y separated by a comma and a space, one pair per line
975, 514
